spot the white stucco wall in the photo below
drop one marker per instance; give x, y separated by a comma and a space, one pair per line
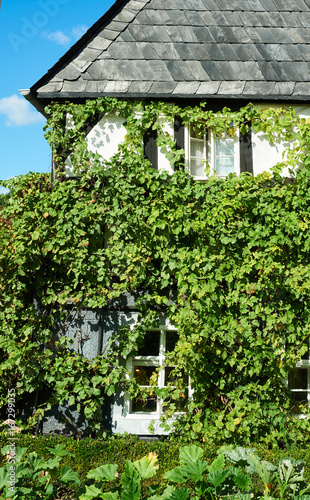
105, 137
266, 155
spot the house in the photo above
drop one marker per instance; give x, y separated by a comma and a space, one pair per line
227, 53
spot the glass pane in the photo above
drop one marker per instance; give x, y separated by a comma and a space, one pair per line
224, 146
224, 166
198, 149
298, 379
171, 340
179, 402
146, 405
197, 168
197, 131
172, 377
142, 374
299, 402
150, 346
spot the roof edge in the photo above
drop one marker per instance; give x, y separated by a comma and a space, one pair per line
33, 99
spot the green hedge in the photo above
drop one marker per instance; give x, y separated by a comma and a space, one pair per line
89, 453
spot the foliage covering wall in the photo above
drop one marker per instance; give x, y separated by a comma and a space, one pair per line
226, 260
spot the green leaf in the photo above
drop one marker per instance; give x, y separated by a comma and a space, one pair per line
90, 493
190, 454
107, 472
146, 466
67, 475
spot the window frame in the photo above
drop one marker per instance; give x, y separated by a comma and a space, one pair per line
208, 140
157, 361
303, 364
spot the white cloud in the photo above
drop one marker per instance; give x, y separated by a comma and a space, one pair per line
79, 31
57, 37
64, 39
18, 111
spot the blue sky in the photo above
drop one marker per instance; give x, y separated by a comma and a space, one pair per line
34, 34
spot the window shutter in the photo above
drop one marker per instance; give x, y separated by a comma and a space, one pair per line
179, 138
246, 153
150, 147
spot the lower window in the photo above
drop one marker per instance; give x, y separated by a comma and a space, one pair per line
299, 385
144, 368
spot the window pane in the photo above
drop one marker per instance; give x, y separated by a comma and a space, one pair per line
150, 346
198, 149
179, 402
299, 402
197, 131
197, 168
172, 378
224, 166
224, 146
142, 374
171, 340
298, 379
146, 405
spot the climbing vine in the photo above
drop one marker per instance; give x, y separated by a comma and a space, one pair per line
226, 261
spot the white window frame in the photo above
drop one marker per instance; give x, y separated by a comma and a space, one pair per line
303, 364
208, 141
157, 361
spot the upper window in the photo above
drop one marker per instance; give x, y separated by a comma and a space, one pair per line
205, 150
299, 385
150, 362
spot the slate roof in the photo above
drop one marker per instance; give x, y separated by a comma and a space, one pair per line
254, 49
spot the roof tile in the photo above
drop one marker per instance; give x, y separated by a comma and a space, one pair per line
301, 89
140, 87
186, 34
210, 4
283, 88
161, 31
268, 5
205, 34
119, 87
258, 88
212, 70
208, 88
78, 86
186, 88
231, 88
248, 70
194, 18
162, 87
184, 51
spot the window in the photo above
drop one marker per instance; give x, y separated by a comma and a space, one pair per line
203, 148
299, 385
150, 356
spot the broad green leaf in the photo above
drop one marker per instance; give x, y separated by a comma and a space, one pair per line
107, 472
190, 454
60, 451
110, 495
217, 477
67, 475
146, 466
90, 493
